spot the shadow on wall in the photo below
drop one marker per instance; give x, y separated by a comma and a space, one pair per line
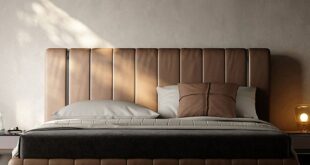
286, 91
60, 28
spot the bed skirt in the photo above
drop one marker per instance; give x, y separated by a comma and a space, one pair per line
17, 161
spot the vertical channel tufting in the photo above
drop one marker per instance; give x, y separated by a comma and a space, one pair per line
214, 65
154, 67
259, 64
191, 65
55, 81
235, 66
124, 74
146, 78
168, 67
78, 74
101, 73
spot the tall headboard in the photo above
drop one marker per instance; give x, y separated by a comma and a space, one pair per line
133, 74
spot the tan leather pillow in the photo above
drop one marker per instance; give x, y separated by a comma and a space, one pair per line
207, 99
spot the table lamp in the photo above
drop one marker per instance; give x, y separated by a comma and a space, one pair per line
302, 116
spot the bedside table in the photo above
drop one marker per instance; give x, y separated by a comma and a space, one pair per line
8, 143
301, 144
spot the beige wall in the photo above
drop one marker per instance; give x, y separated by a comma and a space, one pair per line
28, 27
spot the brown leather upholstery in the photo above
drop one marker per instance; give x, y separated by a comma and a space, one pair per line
55, 81
146, 78
168, 67
191, 65
235, 60
101, 74
259, 64
133, 74
214, 65
16, 161
124, 75
79, 75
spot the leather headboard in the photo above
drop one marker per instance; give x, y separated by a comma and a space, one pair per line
133, 74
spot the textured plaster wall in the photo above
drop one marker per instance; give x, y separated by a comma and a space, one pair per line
28, 27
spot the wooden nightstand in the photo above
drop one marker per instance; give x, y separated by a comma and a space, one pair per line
301, 144
8, 143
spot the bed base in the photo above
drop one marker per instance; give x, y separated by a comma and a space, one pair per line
17, 161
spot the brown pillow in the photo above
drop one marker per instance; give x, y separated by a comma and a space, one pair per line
207, 99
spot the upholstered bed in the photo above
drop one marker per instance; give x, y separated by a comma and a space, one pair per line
132, 75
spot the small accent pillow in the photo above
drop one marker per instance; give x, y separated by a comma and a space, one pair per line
207, 99
168, 102
104, 109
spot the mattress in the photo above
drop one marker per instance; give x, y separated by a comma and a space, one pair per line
155, 138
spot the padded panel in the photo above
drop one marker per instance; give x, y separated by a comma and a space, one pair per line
290, 162
36, 162
101, 78
124, 75
146, 78
270, 162
168, 67
78, 75
113, 162
139, 162
243, 161
55, 81
61, 162
165, 161
235, 66
191, 66
192, 161
218, 161
17, 161
87, 162
214, 65
259, 64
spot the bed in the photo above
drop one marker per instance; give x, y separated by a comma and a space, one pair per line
132, 75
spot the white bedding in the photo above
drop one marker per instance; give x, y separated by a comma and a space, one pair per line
173, 123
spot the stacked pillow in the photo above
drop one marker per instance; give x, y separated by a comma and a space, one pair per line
183, 100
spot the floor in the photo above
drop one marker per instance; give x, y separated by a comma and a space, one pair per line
4, 159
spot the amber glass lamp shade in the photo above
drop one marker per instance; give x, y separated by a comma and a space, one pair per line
302, 116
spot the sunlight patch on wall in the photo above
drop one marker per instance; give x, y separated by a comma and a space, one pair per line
23, 38
61, 28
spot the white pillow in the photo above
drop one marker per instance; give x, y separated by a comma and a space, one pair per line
168, 102
104, 109
245, 102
